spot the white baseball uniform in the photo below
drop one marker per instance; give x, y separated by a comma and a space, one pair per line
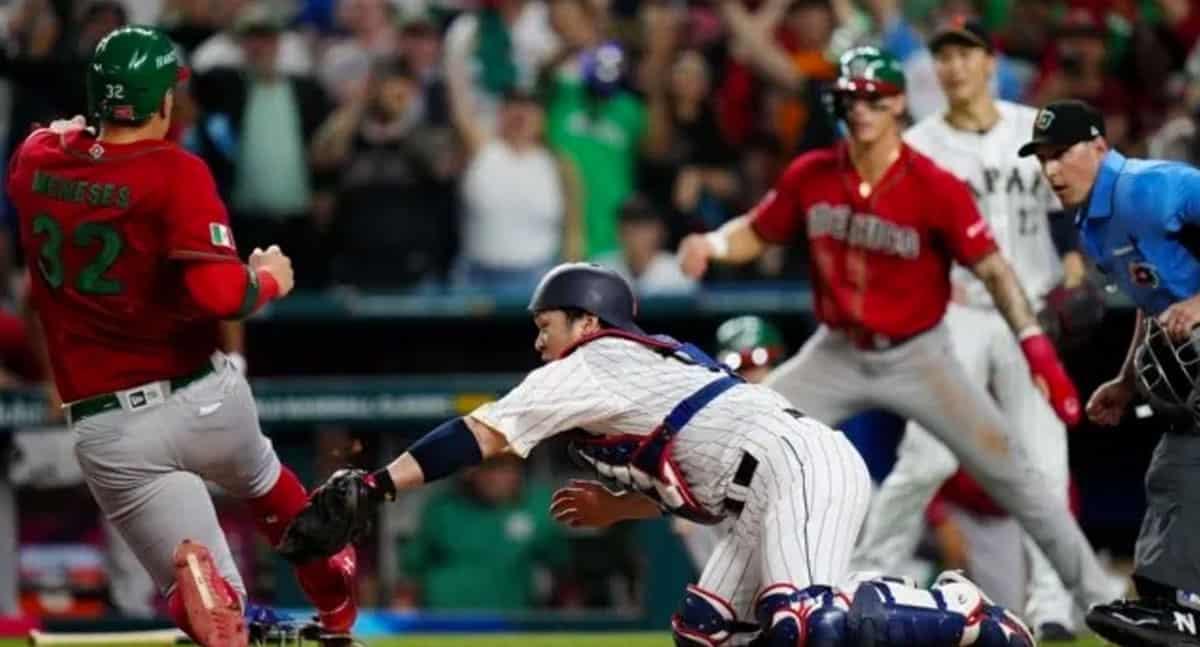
803, 506
1015, 199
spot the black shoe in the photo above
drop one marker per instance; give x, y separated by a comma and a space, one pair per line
315, 633
1139, 623
1055, 632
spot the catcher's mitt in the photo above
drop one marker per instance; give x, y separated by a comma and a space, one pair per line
1073, 315
338, 513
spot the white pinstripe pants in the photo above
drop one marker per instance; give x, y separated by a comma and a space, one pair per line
807, 502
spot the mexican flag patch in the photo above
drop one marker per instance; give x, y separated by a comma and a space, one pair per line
220, 235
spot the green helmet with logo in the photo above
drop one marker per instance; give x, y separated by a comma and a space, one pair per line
747, 341
131, 71
869, 70
864, 71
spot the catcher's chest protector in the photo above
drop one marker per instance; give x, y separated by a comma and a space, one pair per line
644, 463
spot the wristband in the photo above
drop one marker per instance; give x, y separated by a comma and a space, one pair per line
383, 488
445, 450
718, 243
1031, 330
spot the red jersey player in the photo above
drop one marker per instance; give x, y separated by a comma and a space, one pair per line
133, 268
883, 225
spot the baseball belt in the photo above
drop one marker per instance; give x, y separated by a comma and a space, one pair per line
137, 397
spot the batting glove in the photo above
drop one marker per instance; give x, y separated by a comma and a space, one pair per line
1049, 373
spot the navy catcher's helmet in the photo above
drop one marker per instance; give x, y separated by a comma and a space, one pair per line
591, 288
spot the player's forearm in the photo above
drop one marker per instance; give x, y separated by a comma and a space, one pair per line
1007, 293
635, 505
1074, 269
1139, 333
448, 449
229, 290
735, 242
757, 41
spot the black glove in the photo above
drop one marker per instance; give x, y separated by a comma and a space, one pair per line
338, 513
1073, 315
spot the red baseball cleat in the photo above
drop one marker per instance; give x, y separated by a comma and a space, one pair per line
212, 607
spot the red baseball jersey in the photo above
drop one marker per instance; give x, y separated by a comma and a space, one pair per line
106, 229
880, 263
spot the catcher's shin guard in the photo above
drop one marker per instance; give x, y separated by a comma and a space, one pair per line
703, 620
953, 613
791, 617
203, 603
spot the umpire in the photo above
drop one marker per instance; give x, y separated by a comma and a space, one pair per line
1139, 220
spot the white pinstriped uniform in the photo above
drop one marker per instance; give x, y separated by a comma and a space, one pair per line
1015, 199
806, 501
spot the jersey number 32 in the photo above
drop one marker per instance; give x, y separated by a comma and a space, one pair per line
91, 279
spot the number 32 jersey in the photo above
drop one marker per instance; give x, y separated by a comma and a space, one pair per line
106, 229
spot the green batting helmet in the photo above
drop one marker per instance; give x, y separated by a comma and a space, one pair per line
743, 342
867, 69
131, 71
864, 71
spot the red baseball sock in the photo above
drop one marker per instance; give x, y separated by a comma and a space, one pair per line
274, 510
328, 583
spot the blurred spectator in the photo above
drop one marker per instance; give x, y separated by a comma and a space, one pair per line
516, 217
797, 61
507, 42
1075, 67
1176, 139
371, 33
642, 259
806, 33
421, 46
191, 22
47, 58
688, 164
482, 541
394, 218
254, 133
225, 49
1181, 18
594, 123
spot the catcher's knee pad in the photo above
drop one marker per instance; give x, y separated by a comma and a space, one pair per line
810, 617
703, 619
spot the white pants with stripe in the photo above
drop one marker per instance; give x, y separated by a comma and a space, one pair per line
803, 513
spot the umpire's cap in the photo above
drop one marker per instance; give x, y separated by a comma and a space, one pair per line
591, 288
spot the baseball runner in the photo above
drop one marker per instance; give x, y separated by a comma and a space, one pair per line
883, 224
977, 139
133, 268
1138, 220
